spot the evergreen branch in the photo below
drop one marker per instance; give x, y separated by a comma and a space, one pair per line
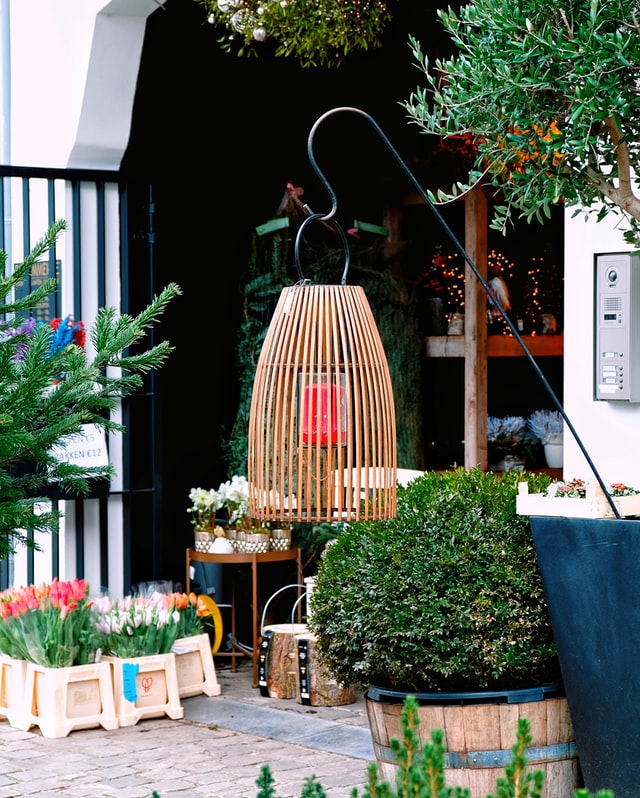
48, 394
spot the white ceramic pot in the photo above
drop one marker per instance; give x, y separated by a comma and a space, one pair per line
553, 450
221, 546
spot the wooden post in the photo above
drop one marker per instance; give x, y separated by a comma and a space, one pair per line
475, 332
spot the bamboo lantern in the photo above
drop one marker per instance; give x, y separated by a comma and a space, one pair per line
322, 430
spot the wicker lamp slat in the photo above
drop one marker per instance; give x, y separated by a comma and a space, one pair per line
322, 434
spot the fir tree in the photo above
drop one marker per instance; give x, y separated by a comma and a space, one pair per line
50, 388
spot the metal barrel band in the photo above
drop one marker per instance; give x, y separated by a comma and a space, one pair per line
263, 662
495, 759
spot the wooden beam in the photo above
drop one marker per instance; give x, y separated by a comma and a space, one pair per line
497, 345
475, 332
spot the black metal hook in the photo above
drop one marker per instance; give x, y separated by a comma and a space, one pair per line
461, 250
328, 220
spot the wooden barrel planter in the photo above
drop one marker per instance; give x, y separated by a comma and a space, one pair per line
479, 733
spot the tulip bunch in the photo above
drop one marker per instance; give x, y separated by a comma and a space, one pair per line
192, 611
138, 626
52, 625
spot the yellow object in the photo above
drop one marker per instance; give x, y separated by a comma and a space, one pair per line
214, 613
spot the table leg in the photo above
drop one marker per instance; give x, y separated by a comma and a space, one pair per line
234, 640
254, 613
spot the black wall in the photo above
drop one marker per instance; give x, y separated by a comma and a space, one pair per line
221, 136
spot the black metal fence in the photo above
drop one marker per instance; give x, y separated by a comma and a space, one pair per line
109, 241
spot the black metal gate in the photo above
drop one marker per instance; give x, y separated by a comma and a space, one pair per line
109, 261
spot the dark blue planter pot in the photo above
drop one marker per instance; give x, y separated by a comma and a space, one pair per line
591, 574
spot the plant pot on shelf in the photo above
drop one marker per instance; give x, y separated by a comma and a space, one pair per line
478, 730
591, 571
554, 450
509, 462
205, 537
280, 539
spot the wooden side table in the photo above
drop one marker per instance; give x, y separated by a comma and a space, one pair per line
254, 560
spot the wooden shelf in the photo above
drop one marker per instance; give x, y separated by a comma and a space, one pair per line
475, 347
497, 345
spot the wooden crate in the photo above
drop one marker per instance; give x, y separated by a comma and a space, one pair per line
594, 504
13, 673
145, 687
194, 666
61, 700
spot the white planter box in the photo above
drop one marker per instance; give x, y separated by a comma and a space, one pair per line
194, 666
145, 687
61, 700
594, 505
13, 674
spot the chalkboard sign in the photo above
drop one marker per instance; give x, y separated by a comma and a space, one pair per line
41, 271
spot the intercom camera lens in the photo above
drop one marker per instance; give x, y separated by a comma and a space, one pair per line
612, 275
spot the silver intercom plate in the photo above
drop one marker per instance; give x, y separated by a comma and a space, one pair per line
617, 322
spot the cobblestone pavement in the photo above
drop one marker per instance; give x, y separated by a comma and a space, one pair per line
215, 751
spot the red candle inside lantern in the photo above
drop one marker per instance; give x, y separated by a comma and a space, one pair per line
316, 397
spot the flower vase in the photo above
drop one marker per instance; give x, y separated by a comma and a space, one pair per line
145, 687
510, 462
194, 666
554, 450
61, 700
204, 537
12, 678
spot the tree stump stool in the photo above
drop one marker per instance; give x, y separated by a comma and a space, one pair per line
314, 686
277, 670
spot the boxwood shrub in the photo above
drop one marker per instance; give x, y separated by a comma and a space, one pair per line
447, 595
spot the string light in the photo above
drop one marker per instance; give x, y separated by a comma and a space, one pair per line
445, 278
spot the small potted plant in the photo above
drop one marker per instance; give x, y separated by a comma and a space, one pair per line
548, 426
510, 442
444, 601
211, 528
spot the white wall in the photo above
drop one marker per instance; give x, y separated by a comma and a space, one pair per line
610, 431
74, 66
68, 81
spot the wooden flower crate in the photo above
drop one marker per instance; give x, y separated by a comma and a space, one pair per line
194, 665
593, 505
145, 687
61, 700
13, 673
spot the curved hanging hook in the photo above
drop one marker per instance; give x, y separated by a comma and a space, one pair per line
328, 220
461, 250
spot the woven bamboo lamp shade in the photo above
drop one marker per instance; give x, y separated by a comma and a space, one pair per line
322, 430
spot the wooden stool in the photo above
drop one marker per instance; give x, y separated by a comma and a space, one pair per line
314, 686
277, 671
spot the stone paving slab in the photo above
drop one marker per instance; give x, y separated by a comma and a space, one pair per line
215, 751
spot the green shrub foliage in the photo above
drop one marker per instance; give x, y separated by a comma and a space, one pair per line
447, 595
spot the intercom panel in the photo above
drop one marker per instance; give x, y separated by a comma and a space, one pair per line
617, 327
